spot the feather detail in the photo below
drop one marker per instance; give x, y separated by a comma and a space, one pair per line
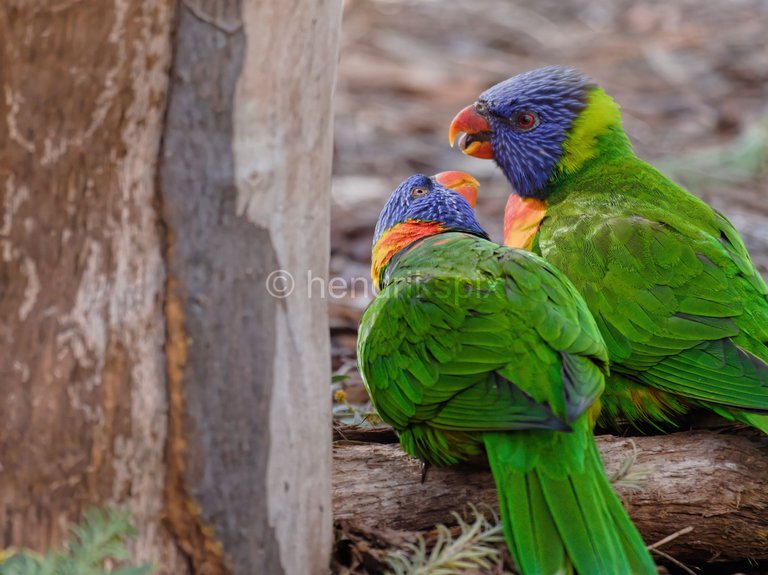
562, 518
395, 239
600, 116
522, 218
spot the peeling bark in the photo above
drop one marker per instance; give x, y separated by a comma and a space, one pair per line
81, 273
715, 483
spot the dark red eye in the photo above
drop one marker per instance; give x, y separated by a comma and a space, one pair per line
419, 192
525, 121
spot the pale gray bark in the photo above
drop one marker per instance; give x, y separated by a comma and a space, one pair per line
245, 181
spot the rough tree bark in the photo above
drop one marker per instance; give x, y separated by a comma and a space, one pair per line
245, 177
715, 483
82, 97
142, 361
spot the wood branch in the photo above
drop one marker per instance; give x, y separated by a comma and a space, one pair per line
715, 483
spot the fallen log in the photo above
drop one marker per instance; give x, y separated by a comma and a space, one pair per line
715, 483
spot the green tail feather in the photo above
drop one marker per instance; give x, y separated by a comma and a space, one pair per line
754, 419
757, 420
558, 522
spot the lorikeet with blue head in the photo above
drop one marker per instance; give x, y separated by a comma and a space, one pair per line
474, 351
674, 292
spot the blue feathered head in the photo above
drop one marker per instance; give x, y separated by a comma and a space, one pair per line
420, 207
422, 200
524, 123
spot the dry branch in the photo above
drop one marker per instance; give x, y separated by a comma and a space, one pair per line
715, 483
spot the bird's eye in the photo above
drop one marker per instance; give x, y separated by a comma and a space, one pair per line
481, 107
527, 120
419, 192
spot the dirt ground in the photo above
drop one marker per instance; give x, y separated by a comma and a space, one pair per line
691, 77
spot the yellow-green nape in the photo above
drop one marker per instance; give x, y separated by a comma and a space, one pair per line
596, 119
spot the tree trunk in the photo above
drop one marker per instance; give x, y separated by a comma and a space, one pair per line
715, 483
142, 360
245, 179
84, 403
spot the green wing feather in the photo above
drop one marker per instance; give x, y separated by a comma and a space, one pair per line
669, 281
465, 320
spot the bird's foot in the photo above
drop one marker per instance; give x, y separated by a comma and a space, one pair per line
424, 467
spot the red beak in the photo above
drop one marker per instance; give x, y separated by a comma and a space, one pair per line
460, 182
475, 133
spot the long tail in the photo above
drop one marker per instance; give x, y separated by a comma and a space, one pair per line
558, 522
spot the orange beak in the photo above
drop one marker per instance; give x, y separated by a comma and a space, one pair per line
460, 182
475, 133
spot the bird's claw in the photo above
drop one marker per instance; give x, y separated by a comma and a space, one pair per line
424, 467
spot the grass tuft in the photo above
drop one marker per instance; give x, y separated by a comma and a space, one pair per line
476, 548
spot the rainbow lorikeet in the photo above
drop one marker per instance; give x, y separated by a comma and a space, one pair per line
473, 350
673, 290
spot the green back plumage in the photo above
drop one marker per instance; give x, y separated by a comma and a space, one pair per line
459, 313
473, 350
670, 283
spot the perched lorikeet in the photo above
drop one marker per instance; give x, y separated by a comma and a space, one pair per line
681, 307
473, 350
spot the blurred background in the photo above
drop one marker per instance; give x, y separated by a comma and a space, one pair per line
691, 78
